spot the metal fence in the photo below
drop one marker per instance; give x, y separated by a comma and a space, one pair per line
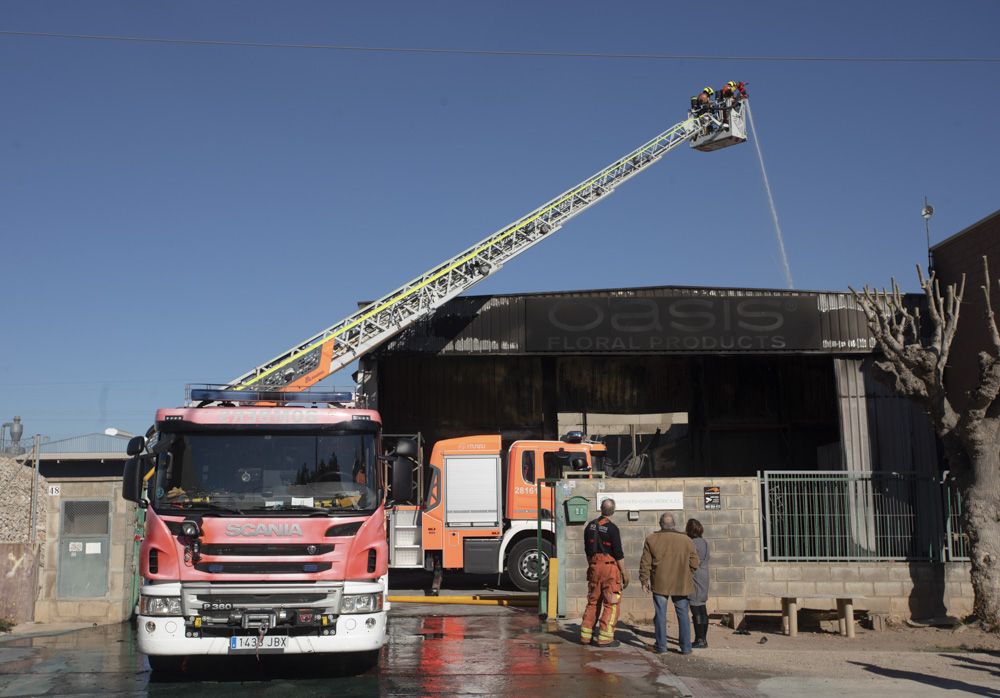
957, 540
812, 516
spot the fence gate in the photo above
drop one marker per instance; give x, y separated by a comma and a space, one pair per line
84, 548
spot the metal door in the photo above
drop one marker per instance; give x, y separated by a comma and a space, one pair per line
84, 549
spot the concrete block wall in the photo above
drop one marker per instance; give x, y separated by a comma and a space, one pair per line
115, 605
18, 581
740, 579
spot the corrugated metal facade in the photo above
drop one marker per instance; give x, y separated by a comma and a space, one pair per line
87, 444
496, 325
879, 429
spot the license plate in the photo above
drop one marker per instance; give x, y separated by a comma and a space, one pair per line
249, 643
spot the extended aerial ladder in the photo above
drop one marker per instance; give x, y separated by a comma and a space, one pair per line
311, 361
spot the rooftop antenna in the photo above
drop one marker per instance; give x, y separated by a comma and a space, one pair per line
927, 211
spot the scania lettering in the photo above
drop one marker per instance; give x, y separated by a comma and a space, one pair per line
263, 530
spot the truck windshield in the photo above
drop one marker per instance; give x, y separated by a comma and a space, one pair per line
257, 473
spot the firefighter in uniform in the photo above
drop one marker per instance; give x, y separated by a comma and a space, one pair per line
731, 93
734, 90
704, 103
606, 578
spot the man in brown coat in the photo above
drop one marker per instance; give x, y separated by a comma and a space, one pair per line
669, 560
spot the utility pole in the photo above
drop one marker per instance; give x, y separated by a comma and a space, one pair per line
36, 442
927, 212
36, 446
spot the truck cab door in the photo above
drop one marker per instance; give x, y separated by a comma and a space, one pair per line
523, 469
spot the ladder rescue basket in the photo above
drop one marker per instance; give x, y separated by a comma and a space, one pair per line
732, 133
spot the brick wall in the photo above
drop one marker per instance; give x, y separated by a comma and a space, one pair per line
961, 254
740, 580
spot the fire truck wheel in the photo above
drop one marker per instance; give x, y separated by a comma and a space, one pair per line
523, 560
166, 664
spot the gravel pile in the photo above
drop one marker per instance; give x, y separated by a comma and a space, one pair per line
15, 502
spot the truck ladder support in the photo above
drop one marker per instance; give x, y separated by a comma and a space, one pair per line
337, 346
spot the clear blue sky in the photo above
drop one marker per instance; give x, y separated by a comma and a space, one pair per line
177, 213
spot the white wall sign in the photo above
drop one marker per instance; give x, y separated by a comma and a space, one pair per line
55, 490
643, 501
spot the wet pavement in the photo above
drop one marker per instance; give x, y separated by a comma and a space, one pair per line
469, 651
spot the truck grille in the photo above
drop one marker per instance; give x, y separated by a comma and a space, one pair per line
262, 596
261, 599
263, 567
264, 549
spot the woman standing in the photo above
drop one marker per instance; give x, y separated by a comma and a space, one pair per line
699, 597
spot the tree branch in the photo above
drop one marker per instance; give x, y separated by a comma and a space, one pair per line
952, 308
991, 323
929, 285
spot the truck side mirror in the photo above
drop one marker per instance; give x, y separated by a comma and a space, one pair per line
132, 480
135, 445
402, 478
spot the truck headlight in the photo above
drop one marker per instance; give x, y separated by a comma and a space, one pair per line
361, 603
160, 606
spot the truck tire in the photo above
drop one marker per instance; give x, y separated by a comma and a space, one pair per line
521, 562
166, 665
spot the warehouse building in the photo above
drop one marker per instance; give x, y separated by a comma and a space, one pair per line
755, 411
703, 381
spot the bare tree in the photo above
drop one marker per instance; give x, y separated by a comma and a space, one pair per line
913, 360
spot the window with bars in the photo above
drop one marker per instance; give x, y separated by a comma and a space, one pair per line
86, 518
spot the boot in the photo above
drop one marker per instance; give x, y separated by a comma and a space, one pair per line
700, 622
700, 636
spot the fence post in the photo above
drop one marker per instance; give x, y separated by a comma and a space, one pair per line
36, 441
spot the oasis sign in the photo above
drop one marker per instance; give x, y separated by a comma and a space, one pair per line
673, 324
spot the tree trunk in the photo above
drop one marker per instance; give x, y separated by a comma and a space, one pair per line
982, 522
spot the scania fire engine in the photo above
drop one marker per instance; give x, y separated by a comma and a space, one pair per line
266, 526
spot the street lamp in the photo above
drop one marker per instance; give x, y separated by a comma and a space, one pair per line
112, 431
927, 211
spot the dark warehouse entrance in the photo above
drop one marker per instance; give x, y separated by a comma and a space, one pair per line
717, 415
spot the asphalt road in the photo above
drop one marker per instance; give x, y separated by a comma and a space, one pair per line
432, 651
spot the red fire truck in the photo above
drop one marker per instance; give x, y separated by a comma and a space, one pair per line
265, 527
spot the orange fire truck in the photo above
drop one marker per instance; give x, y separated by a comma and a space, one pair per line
481, 513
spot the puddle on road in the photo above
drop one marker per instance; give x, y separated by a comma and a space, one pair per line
436, 656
